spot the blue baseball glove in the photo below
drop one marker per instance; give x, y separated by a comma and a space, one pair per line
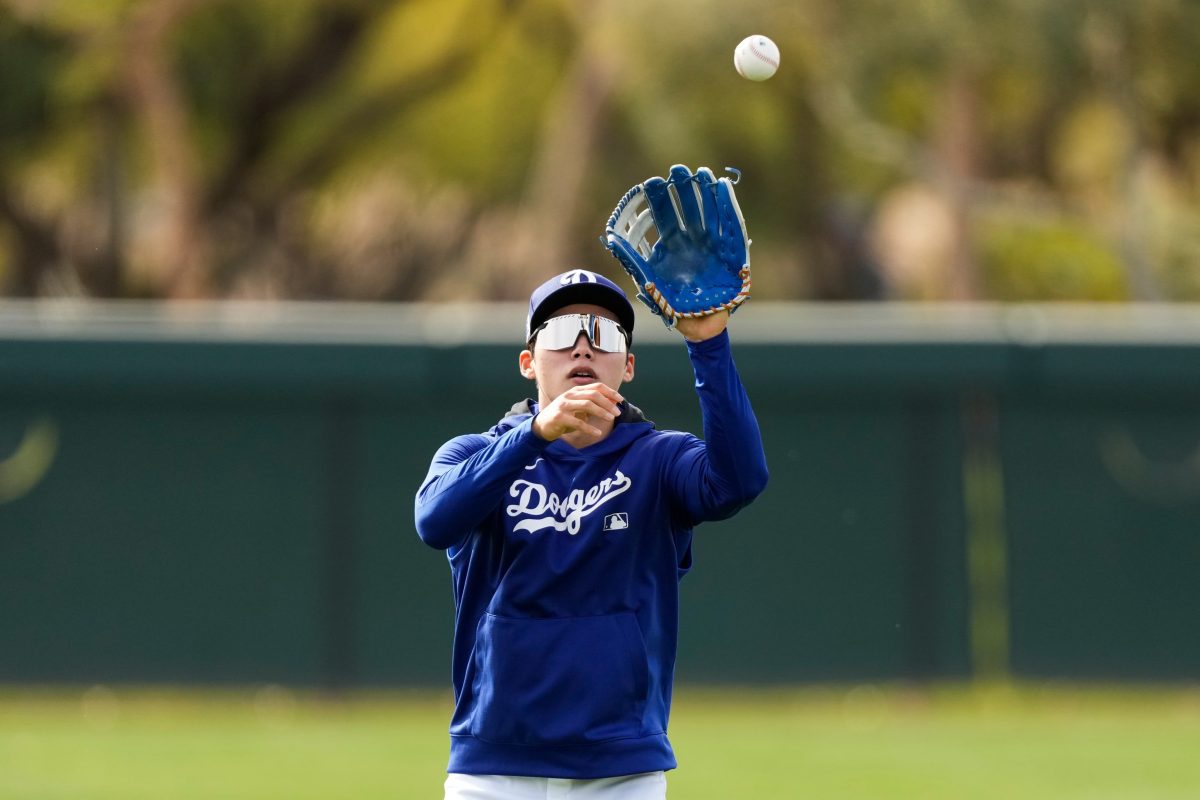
699, 263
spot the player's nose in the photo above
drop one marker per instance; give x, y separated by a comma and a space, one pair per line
583, 347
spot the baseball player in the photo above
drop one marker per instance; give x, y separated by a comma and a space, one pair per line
568, 527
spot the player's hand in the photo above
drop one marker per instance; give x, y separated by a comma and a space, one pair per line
698, 329
570, 411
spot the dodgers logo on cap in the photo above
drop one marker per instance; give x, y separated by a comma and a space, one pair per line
577, 276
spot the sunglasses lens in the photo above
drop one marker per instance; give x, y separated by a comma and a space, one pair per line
561, 333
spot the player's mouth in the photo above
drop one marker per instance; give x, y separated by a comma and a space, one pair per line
581, 375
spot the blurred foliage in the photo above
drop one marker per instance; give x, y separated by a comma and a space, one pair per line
1052, 260
437, 149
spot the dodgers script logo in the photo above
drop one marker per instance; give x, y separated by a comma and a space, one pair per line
546, 509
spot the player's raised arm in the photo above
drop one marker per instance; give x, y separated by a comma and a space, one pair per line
694, 276
712, 479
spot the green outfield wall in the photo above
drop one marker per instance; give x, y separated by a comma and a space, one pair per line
199, 494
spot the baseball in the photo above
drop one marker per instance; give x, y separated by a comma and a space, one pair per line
756, 57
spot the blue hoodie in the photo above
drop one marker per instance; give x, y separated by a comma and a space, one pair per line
566, 566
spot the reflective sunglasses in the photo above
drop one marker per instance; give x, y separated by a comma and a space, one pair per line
561, 333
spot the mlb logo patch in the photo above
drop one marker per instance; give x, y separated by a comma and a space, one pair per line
616, 522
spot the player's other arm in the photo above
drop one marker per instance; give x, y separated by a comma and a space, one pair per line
715, 478
466, 480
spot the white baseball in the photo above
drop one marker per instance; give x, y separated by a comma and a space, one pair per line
756, 57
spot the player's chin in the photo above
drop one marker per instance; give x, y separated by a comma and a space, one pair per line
559, 388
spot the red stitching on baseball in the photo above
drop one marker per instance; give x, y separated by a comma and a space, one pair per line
768, 59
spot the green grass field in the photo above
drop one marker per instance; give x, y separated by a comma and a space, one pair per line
834, 742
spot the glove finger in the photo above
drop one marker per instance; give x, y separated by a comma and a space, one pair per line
687, 194
733, 224
630, 259
706, 182
662, 207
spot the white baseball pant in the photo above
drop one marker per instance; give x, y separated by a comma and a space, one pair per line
644, 786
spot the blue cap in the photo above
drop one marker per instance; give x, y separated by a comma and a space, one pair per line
577, 286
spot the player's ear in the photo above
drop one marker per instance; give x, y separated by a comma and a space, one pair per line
525, 365
628, 369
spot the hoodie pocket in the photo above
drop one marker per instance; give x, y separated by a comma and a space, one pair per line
559, 681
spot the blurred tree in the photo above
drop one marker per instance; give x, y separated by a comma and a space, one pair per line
217, 119
405, 149
1026, 260
981, 102
30, 57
